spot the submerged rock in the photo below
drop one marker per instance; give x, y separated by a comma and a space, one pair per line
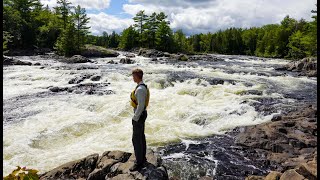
86, 88
13, 61
110, 165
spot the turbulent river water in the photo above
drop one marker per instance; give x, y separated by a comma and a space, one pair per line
43, 129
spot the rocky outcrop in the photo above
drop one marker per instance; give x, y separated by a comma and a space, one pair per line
302, 171
98, 51
306, 66
289, 140
130, 55
151, 53
110, 165
126, 61
78, 59
13, 61
86, 88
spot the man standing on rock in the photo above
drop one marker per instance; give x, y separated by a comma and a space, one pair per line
139, 101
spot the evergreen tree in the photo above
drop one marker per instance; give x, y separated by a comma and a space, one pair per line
164, 37
65, 44
151, 26
129, 38
140, 20
114, 40
81, 20
180, 41
63, 10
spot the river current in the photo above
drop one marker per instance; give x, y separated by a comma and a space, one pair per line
44, 129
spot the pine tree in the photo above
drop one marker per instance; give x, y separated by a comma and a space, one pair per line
140, 19
128, 38
151, 26
81, 20
164, 37
63, 10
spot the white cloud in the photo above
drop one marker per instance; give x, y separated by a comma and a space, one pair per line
133, 9
92, 4
204, 15
104, 22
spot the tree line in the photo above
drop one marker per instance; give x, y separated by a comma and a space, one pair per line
29, 24
292, 39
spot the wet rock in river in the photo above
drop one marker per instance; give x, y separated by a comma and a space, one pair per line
78, 59
13, 61
95, 78
87, 88
150, 53
126, 61
111, 62
308, 66
130, 55
57, 89
110, 165
79, 79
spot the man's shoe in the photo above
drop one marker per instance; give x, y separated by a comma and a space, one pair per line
136, 167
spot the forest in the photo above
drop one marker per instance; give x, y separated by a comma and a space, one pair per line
28, 24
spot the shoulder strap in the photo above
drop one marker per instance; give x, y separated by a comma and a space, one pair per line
142, 85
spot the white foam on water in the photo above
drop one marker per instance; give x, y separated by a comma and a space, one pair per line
72, 126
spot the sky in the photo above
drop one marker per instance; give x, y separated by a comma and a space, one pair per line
192, 16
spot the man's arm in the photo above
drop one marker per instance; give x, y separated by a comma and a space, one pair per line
141, 98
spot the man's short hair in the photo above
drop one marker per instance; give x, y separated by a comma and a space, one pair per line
138, 72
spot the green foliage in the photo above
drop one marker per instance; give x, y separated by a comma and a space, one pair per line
22, 174
65, 44
180, 41
297, 45
26, 25
48, 28
81, 20
6, 38
164, 37
114, 40
63, 11
140, 24
128, 38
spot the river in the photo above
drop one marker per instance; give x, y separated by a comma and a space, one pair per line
44, 129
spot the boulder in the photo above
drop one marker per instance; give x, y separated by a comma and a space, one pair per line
126, 61
78, 59
166, 54
273, 175
57, 89
95, 78
306, 67
254, 178
13, 61
292, 175
110, 165
308, 170
150, 53
130, 55
111, 62
98, 51
73, 170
